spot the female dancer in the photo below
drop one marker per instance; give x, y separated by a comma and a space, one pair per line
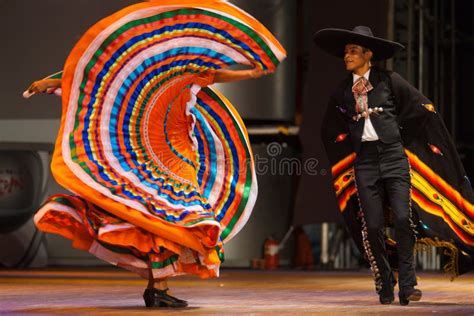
160, 163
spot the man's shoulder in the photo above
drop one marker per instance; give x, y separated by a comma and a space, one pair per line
384, 73
395, 79
393, 75
398, 81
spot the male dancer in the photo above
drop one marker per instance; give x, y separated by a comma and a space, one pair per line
366, 102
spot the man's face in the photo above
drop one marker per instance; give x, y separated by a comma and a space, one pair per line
355, 57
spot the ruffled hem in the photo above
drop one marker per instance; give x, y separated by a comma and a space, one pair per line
123, 244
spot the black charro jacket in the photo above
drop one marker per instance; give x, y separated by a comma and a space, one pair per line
388, 123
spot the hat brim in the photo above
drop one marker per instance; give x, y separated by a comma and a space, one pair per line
333, 41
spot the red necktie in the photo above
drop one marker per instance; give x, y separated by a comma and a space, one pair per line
360, 88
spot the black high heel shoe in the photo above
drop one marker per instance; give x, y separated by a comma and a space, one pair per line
408, 295
160, 298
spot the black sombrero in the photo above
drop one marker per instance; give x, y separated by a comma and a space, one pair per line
333, 41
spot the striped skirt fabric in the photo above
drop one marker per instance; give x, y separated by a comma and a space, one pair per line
160, 163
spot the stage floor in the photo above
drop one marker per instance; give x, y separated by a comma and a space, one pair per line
116, 292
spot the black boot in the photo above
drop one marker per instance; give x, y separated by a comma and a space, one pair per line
407, 295
386, 295
386, 300
160, 298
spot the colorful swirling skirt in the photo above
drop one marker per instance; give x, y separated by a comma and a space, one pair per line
159, 163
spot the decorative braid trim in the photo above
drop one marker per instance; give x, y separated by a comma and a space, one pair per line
368, 250
450, 250
410, 211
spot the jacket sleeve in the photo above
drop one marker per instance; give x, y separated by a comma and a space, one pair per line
413, 108
335, 132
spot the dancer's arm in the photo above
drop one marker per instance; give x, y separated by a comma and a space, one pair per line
43, 85
226, 75
221, 75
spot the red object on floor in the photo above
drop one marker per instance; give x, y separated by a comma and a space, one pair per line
304, 250
272, 260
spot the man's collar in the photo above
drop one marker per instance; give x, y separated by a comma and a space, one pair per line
355, 76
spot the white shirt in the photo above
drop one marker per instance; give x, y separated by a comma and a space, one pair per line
369, 134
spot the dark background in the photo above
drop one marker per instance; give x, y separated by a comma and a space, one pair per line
37, 36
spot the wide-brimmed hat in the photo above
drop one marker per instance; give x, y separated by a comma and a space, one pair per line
334, 41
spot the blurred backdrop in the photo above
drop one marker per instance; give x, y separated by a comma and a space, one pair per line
283, 113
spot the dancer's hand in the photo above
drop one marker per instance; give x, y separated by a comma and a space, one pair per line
257, 73
41, 86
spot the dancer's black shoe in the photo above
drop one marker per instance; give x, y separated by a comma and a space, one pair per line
386, 295
407, 295
384, 300
160, 298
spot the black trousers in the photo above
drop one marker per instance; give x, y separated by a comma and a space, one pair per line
382, 172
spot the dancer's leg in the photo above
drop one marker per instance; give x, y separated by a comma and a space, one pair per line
396, 173
161, 284
371, 195
157, 294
